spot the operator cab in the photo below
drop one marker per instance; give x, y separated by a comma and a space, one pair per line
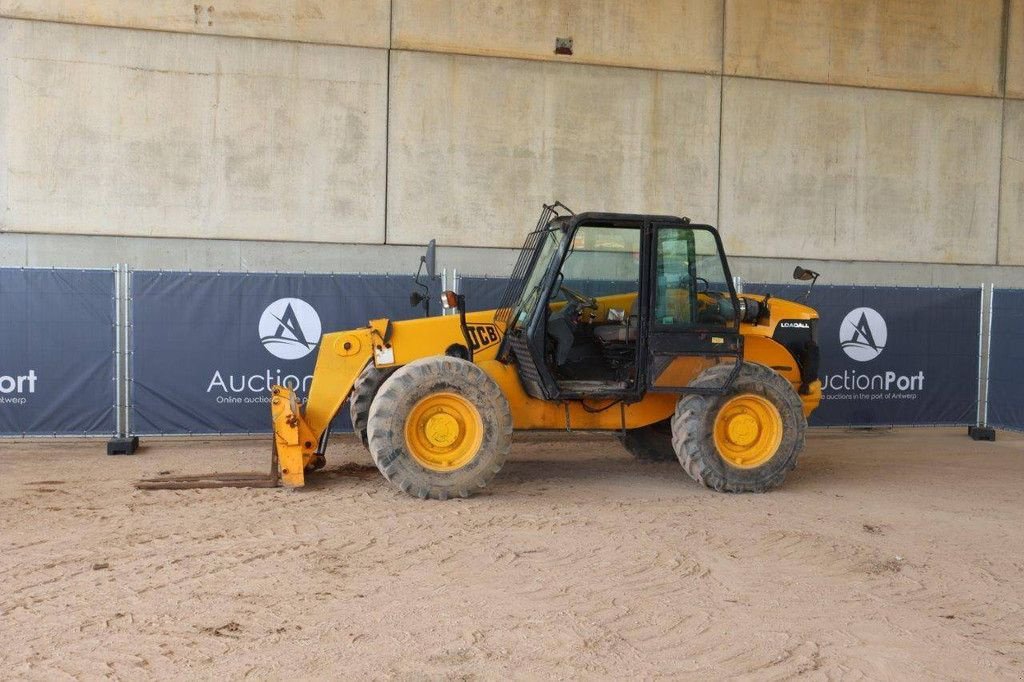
593, 319
609, 300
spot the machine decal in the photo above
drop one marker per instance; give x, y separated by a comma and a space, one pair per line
483, 335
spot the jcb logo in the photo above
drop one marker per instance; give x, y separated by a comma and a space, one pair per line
482, 335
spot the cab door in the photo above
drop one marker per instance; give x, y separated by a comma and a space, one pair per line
691, 312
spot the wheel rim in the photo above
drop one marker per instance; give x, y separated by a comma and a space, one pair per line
443, 432
748, 431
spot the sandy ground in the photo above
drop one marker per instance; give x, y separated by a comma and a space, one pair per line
885, 555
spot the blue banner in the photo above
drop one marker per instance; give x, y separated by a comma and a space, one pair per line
57, 361
207, 347
483, 293
893, 355
1006, 361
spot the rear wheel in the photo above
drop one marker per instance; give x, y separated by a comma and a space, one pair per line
367, 384
439, 427
746, 440
651, 443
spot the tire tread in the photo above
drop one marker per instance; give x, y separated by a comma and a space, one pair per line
387, 440
693, 438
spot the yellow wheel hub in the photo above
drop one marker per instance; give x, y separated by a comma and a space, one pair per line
748, 431
443, 432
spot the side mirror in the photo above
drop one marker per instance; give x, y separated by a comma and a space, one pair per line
415, 298
430, 260
804, 275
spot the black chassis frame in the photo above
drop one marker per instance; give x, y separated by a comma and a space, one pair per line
694, 340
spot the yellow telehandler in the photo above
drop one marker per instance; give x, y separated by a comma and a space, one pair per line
615, 322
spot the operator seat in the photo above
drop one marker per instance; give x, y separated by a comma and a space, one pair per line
675, 301
628, 330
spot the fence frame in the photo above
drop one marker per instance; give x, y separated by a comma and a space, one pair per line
123, 351
115, 378
988, 432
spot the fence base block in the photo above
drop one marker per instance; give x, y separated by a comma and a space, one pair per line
123, 446
981, 433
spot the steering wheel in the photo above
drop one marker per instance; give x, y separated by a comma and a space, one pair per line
578, 298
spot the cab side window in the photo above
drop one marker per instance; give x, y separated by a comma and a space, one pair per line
690, 281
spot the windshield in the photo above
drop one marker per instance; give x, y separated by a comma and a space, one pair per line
531, 292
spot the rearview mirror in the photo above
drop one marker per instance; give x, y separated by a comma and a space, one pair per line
804, 275
430, 260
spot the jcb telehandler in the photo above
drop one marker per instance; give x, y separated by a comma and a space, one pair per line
614, 322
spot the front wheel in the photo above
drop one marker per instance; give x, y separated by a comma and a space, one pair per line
745, 440
439, 427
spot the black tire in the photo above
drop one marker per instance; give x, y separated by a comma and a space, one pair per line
650, 443
367, 384
394, 403
694, 421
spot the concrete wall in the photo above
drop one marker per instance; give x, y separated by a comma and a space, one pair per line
848, 173
1015, 51
850, 132
477, 144
191, 136
340, 22
947, 46
1011, 226
672, 35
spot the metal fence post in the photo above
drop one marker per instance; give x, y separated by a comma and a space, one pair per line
118, 376
988, 351
982, 431
123, 443
129, 350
